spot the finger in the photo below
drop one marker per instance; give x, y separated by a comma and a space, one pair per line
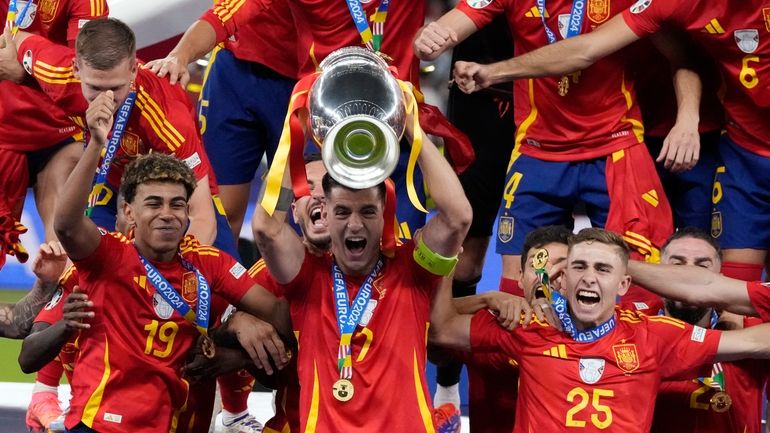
281, 349
539, 312
553, 320
453, 35
663, 151
74, 324
184, 79
527, 312
76, 289
264, 359
58, 249
78, 316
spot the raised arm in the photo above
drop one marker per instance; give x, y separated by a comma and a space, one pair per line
278, 243
435, 38
693, 285
77, 233
203, 222
563, 57
444, 233
199, 39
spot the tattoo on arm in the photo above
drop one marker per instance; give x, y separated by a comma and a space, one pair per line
16, 319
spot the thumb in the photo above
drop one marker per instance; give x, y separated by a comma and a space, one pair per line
77, 289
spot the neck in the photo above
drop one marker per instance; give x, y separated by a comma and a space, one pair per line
153, 254
581, 325
364, 271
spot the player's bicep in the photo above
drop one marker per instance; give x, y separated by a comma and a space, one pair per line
454, 333
752, 342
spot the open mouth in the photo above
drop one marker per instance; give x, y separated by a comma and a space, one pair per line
315, 215
588, 298
355, 244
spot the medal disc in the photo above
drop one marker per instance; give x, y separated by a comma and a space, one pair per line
721, 402
343, 390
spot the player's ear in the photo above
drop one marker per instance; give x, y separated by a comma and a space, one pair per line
128, 213
625, 283
75, 68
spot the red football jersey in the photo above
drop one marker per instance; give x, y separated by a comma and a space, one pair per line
759, 294
326, 25
598, 116
268, 37
286, 418
598, 385
28, 120
161, 120
684, 406
737, 34
137, 343
388, 348
493, 384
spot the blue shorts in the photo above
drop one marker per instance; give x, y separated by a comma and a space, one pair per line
241, 110
741, 198
690, 192
539, 193
104, 215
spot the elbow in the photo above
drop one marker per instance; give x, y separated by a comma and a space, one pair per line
27, 363
461, 219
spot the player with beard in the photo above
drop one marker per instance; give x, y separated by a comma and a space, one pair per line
693, 405
611, 358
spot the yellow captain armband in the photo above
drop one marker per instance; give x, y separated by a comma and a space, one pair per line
433, 262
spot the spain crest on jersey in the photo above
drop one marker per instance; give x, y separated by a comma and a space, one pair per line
47, 10
716, 224
626, 357
747, 40
598, 10
130, 143
190, 287
766, 16
505, 229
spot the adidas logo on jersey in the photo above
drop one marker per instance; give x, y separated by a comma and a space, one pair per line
559, 351
713, 27
534, 12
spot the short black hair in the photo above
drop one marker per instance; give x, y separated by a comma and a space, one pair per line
543, 236
330, 183
695, 233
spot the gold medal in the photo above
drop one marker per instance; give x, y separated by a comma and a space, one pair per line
563, 85
343, 390
721, 402
207, 347
540, 259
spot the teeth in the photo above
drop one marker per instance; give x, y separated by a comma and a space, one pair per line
587, 294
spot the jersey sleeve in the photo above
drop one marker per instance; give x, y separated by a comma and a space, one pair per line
261, 276
228, 15
51, 66
109, 253
759, 296
646, 17
482, 12
53, 311
232, 280
682, 349
81, 12
167, 118
488, 336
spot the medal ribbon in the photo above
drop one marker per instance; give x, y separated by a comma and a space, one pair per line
575, 25
372, 39
717, 379
560, 306
348, 316
123, 114
200, 318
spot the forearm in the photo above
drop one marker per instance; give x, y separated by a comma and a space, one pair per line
687, 86
470, 304
199, 39
454, 210
203, 223
71, 204
42, 347
693, 285
558, 59
752, 342
448, 328
16, 319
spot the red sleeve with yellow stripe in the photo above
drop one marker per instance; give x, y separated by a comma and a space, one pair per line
227, 15
166, 120
51, 66
82, 11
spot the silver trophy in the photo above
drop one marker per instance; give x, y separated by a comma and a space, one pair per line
357, 115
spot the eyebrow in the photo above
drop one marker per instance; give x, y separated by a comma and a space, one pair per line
695, 260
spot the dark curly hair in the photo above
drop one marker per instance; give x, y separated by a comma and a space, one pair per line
156, 167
